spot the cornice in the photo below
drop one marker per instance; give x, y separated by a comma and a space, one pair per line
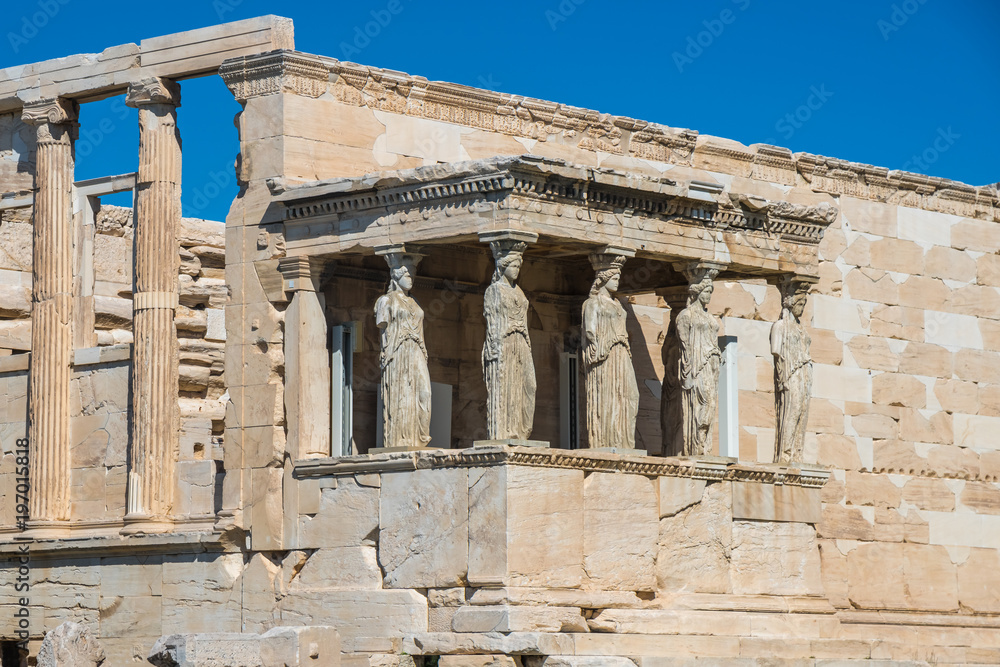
275, 72
589, 460
527, 181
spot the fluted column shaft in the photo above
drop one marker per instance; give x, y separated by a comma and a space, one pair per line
156, 418
52, 306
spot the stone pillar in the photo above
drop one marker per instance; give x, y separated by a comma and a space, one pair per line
155, 416
792, 370
307, 361
51, 312
700, 359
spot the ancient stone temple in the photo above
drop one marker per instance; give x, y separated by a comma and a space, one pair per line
467, 378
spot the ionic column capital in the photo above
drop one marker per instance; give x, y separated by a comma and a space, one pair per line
153, 90
53, 110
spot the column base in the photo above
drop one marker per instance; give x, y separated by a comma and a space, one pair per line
136, 524
510, 442
41, 530
382, 450
627, 451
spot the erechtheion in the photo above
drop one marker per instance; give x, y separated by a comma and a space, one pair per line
467, 378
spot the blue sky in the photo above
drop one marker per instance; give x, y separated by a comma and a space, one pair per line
905, 84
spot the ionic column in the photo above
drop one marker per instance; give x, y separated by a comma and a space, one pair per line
52, 306
307, 361
155, 419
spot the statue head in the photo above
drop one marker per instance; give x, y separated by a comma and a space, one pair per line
794, 294
508, 256
402, 271
609, 272
701, 292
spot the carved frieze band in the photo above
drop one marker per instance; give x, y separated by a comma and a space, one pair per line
589, 461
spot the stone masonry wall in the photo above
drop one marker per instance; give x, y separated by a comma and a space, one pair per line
904, 322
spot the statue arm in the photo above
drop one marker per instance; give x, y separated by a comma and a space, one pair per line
382, 312
591, 323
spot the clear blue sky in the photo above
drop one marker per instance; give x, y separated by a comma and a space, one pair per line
905, 84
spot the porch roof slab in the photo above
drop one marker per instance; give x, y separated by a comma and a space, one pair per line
573, 209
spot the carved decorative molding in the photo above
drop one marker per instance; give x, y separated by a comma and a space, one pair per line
55, 110
528, 181
153, 90
275, 72
583, 459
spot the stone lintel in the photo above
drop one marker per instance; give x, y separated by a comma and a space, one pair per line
54, 110
590, 460
153, 90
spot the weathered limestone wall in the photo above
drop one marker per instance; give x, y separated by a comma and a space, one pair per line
132, 597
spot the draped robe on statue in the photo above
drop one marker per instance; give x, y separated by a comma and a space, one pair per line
507, 365
698, 333
793, 380
612, 392
406, 383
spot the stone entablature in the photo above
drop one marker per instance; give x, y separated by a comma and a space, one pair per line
571, 205
515, 115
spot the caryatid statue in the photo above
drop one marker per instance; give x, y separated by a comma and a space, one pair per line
406, 382
508, 369
612, 391
792, 372
700, 358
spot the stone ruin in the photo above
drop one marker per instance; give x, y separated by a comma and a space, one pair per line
478, 379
